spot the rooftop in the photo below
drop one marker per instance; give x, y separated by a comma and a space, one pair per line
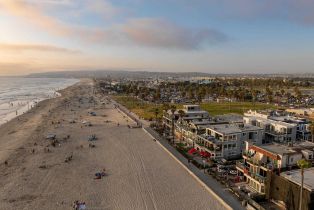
278, 149
232, 128
281, 149
230, 118
295, 177
271, 121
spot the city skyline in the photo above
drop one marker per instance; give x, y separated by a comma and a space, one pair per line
205, 36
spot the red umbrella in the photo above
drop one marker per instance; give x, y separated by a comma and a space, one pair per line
206, 154
192, 151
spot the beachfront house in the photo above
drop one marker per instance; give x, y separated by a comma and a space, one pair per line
227, 140
188, 114
261, 162
275, 131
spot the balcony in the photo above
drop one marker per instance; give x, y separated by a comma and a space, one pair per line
261, 179
241, 166
247, 172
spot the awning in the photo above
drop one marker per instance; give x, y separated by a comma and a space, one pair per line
204, 154
192, 151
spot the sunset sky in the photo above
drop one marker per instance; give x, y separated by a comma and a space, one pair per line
215, 36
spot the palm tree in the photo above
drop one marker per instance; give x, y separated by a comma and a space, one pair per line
302, 164
156, 111
254, 97
173, 109
181, 114
312, 130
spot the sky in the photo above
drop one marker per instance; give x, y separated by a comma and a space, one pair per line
213, 36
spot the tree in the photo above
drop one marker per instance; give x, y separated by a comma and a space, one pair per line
312, 130
157, 95
173, 109
181, 114
165, 107
282, 91
156, 111
297, 93
302, 164
254, 96
269, 94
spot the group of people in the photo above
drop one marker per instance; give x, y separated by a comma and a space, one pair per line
101, 174
77, 205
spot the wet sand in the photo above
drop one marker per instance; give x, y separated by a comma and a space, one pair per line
139, 173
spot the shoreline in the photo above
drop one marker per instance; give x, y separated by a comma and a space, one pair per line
29, 106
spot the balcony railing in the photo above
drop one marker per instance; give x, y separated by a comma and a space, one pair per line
246, 170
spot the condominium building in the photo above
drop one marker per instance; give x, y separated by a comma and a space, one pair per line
227, 140
279, 126
259, 162
189, 113
275, 131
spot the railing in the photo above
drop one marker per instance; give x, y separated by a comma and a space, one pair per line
258, 178
241, 165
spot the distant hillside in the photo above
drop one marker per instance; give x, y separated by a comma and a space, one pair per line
117, 74
121, 74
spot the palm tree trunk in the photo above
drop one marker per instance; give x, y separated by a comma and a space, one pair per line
301, 190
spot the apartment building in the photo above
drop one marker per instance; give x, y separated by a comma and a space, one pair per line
190, 113
227, 140
279, 125
187, 130
274, 131
303, 132
260, 161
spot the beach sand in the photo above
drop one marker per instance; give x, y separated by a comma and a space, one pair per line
139, 173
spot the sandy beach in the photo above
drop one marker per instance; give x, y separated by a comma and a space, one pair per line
139, 173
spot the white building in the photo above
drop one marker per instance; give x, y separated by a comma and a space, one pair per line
227, 140
275, 131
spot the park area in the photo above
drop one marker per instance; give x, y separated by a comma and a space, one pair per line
149, 111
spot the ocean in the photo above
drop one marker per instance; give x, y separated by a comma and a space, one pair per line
19, 94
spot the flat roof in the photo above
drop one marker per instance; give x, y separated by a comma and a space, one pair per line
231, 128
272, 121
295, 177
195, 111
278, 149
288, 118
191, 105
230, 117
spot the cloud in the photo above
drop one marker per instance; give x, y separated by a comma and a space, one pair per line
32, 14
164, 34
297, 11
35, 47
144, 32
103, 8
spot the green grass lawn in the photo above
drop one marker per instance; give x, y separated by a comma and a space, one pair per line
233, 107
147, 110
142, 109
